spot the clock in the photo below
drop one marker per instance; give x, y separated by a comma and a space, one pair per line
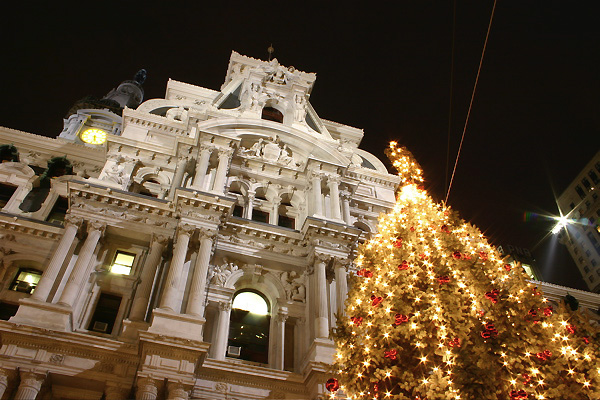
93, 136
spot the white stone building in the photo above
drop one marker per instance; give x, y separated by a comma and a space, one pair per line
132, 246
580, 203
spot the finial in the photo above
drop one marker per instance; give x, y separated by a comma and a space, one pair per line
270, 50
140, 76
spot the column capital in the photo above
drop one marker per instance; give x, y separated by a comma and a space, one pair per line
333, 179
226, 152
176, 391
33, 380
281, 317
321, 258
224, 306
205, 233
343, 263
146, 386
185, 229
158, 239
96, 226
71, 219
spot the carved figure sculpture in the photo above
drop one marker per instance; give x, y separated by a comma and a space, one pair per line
220, 273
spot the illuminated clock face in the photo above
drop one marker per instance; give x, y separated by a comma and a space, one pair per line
94, 136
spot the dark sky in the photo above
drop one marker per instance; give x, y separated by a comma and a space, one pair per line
534, 125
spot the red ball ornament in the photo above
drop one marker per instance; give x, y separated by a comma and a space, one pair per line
332, 384
454, 342
548, 311
586, 339
398, 243
533, 312
445, 229
412, 228
518, 395
391, 354
493, 295
403, 266
526, 379
483, 255
364, 272
376, 300
544, 355
400, 319
422, 256
356, 320
507, 267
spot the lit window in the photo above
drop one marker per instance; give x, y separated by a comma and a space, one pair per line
122, 263
26, 280
250, 301
249, 328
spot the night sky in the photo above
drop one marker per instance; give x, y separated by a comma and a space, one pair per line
534, 125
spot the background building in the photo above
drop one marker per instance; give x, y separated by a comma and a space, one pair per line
133, 245
579, 202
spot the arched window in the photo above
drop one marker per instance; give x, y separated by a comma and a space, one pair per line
272, 114
249, 327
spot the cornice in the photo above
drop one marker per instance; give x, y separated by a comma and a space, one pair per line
30, 227
154, 122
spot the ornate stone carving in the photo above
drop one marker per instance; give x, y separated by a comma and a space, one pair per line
271, 150
57, 359
294, 285
218, 274
221, 387
224, 306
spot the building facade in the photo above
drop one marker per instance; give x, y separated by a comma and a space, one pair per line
135, 244
580, 204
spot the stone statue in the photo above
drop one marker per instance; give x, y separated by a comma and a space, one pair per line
220, 273
294, 285
140, 76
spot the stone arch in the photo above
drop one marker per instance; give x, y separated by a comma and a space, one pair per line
270, 286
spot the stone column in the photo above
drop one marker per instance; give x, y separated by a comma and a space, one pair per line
322, 320
341, 285
179, 171
250, 204
146, 389
280, 352
170, 295
44, 287
30, 385
196, 299
142, 294
202, 167
316, 191
333, 183
3, 381
177, 392
274, 217
222, 331
115, 391
77, 278
346, 206
221, 174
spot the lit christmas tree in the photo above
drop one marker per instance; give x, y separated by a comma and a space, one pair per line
435, 313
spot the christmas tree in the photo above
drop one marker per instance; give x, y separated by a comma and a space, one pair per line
434, 312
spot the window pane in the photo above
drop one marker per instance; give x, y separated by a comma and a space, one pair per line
124, 259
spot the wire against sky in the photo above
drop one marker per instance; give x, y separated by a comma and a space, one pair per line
471, 102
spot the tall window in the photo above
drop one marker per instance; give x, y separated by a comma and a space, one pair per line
57, 215
6, 192
105, 314
122, 263
249, 327
26, 280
